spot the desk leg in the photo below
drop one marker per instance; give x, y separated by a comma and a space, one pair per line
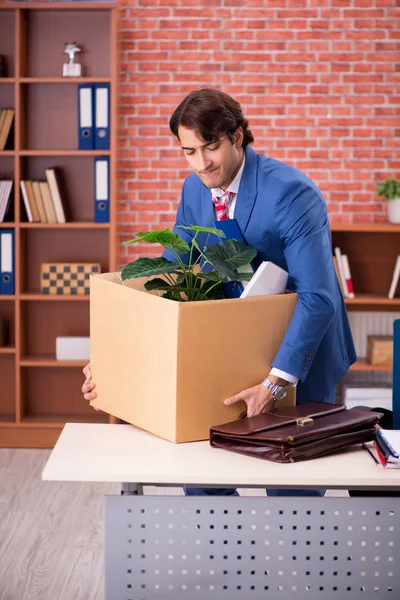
131, 489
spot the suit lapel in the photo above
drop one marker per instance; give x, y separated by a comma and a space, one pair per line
247, 190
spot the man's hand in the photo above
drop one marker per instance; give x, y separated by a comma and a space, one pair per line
88, 386
259, 400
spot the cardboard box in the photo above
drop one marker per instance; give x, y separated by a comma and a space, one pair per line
380, 349
167, 366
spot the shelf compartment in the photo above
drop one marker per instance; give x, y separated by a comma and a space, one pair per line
372, 257
7, 316
53, 395
7, 47
68, 245
51, 117
362, 364
42, 323
47, 30
7, 396
76, 183
7, 172
7, 100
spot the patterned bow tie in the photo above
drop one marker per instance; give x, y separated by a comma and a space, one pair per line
222, 204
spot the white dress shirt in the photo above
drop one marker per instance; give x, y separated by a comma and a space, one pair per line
234, 187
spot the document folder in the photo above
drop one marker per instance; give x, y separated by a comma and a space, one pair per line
102, 189
7, 262
85, 116
102, 119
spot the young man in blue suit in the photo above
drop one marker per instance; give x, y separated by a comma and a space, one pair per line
282, 214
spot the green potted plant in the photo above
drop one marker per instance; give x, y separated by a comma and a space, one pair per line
202, 277
390, 189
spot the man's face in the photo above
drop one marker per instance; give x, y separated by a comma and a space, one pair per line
216, 163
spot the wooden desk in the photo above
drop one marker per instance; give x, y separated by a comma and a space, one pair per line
174, 547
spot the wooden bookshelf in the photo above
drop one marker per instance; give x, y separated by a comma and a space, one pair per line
372, 250
39, 394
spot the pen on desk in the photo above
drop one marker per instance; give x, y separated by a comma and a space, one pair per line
376, 461
389, 446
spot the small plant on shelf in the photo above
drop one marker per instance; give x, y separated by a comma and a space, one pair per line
203, 272
390, 189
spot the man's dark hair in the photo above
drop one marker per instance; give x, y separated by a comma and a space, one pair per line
210, 113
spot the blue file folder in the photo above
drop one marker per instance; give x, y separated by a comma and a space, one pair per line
7, 262
86, 116
230, 227
102, 116
102, 189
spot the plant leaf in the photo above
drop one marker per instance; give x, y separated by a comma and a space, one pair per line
174, 295
148, 267
198, 228
157, 284
216, 293
165, 237
232, 253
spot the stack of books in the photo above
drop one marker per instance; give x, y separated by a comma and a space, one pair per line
387, 446
342, 268
6, 120
42, 200
5, 197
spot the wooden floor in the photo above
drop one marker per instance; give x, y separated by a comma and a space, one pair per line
51, 534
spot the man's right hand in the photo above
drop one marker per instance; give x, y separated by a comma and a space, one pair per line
88, 386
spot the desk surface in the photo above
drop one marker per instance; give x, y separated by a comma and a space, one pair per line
123, 453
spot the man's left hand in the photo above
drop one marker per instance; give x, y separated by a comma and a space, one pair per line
259, 400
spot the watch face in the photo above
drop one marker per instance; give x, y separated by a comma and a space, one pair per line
280, 394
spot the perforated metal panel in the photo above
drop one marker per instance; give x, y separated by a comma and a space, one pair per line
169, 547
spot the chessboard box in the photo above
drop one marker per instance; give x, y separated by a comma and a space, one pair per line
72, 279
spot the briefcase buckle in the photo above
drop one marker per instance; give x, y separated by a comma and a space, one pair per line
304, 421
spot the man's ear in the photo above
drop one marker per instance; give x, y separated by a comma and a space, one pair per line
238, 137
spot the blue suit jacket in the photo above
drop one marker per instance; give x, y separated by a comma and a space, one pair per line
282, 214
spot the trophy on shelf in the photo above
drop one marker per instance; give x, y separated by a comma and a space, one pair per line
72, 69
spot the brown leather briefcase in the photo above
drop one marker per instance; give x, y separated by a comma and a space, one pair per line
297, 432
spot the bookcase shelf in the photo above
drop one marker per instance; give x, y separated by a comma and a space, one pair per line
7, 350
362, 364
64, 80
39, 394
75, 225
58, 152
49, 361
39, 297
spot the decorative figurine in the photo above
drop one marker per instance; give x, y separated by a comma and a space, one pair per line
72, 69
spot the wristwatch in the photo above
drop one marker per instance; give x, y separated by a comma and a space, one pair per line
278, 392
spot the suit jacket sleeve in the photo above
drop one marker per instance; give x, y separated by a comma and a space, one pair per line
302, 228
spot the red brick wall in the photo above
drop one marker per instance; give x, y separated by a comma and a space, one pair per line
318, 81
